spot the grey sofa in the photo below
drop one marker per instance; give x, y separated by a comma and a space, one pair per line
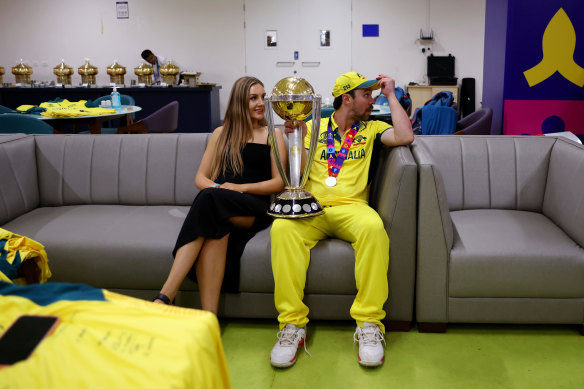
108, 209
500, 230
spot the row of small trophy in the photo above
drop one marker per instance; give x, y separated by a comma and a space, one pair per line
88, 72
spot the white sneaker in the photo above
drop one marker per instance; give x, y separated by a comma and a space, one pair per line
370, 338
289, 339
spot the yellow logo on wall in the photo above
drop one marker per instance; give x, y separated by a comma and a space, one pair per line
558, 44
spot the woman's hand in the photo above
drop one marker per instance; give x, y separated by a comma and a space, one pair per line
231, 186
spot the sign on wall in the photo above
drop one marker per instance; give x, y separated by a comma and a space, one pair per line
544, 67
122, 10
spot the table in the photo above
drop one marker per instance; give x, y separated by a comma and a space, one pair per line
381, 112
198, 106
93, 121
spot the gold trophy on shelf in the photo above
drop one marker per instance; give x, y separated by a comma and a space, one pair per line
116, 73
87, 72
1, 74
63, 73
22, 73
169, 73
293, 98
144, 72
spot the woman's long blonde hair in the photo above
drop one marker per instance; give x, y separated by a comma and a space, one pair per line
237, 129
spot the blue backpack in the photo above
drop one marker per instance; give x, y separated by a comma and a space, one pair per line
438, 121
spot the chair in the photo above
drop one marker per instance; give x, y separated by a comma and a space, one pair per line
4, 109
477, 123
11, 123
437, 120
499, 230
163, 120
126, 100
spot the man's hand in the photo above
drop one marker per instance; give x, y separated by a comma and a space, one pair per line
291, 125
387, 85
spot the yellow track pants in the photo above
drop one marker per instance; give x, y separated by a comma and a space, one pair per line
291, 241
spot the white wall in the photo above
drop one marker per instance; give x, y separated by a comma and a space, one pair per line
458, 27
208, 36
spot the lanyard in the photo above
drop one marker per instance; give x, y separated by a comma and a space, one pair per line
335, 162
157, 72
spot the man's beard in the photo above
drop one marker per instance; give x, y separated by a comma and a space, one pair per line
362, 117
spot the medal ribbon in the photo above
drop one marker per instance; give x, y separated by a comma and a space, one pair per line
336, 161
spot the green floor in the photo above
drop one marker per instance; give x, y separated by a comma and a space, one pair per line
467, 356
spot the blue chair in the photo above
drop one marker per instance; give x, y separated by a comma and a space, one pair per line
4, 109
125, 99
324, 113
11, 123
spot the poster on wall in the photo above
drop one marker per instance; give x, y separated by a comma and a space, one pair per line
544, 68
271, 39
122, 10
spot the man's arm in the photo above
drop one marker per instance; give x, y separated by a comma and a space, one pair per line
402, 133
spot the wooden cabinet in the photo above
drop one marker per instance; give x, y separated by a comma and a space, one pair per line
422, 93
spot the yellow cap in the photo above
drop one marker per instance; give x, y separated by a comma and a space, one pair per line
352, 80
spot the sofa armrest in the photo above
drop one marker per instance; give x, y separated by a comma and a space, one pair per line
564, 187
19, 191
394, 196
435, 239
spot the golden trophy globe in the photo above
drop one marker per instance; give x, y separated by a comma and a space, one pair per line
116, 73
1, 74
293, 98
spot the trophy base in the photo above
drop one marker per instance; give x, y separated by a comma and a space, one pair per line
295, 204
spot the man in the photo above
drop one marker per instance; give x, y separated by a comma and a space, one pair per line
156, 62
338, 179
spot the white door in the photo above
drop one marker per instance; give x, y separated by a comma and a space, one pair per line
298, 25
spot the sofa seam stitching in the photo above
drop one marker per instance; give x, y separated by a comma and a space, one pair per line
175, 167
91, 170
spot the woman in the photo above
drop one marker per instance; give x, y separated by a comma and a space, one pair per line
235, 180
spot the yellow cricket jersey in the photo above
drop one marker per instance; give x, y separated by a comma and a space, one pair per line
68, 108
352, 186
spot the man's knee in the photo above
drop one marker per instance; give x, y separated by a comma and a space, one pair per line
281, 228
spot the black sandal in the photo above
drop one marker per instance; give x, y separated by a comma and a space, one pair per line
164, 298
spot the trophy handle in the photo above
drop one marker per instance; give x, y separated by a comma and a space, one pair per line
316, 113
273, 142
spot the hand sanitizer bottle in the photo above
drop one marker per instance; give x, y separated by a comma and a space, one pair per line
116, 99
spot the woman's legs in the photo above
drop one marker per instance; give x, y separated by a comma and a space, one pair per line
183, 261
210, 266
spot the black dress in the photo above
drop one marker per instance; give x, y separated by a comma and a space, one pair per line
210, 212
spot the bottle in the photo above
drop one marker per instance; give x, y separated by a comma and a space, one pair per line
116, 99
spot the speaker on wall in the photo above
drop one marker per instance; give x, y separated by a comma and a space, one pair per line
467, 96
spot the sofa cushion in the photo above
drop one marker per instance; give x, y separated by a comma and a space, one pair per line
489, 171
155, 169
513, 254
331, 269
106, 246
